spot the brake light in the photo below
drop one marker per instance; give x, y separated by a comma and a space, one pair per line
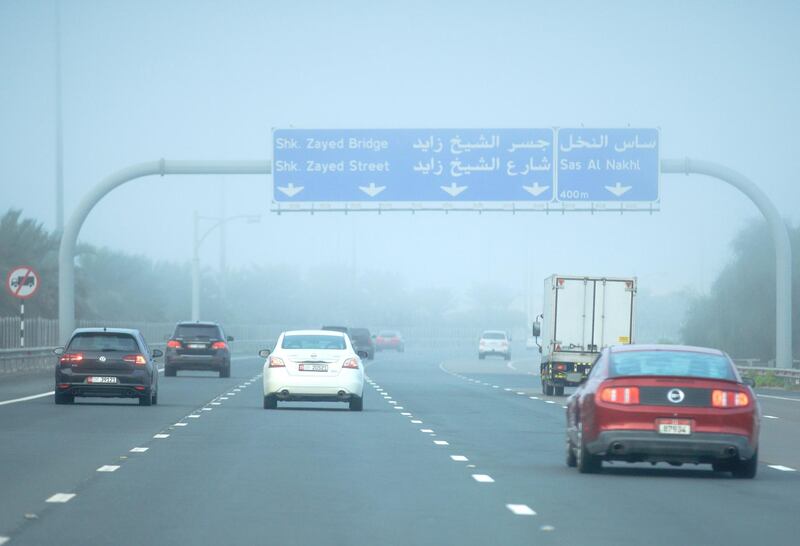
136, 360
351, 363
560, 367
71, 358
219, 345
174, 344
729, 399
275, 362
620, 395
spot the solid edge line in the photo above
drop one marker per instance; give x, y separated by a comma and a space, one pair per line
26, 398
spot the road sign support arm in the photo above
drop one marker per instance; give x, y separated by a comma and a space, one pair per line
780, 239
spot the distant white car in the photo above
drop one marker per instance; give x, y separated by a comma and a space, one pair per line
313, 366
494, 342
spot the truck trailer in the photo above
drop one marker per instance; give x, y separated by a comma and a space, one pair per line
581, 316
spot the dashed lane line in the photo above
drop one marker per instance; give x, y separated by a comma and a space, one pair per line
483, 478
782, 468
521, 509
441, 443
770, 417
459, 458
61, 498
139, 449
108, 468
160, 436
26, 398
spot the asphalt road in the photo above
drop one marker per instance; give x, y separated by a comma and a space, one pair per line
446, 451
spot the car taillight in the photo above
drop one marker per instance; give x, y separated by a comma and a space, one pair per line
71, 358
275, 362
174, 344
136, 360
351, 363
219, 345
560, 367
620, 395
729, 399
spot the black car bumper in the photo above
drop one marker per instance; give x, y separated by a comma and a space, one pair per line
650, 446
103, 391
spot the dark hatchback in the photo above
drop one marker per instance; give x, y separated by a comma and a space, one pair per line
360, 338
199, 346
108, 363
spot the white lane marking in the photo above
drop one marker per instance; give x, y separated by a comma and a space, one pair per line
485, 384
483, 478
521, 393
770, 417
391, 401
778, 397
547, 528
549, 402
782, 468
139, 449
26, 398
3, 540
61, 497
407, 414
459, 458
193, 416
470, 466
521, 509
231, 394
108, 468
426, 430
441, 443
180, 424
533, 397
565, 407
507, 389
207, 409
416, 421
511, 366
237, 390
161, 436
495, 386
216, 403
399, 407
223, 397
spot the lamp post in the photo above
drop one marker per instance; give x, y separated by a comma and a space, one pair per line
198, 240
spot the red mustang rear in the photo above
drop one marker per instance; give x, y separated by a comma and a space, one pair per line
663, 403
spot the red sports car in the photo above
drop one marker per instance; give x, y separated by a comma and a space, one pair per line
664, 403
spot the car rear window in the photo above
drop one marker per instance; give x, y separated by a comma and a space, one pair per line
493, 335
103, 341
198, 331
678, 363
312, 341
360, 334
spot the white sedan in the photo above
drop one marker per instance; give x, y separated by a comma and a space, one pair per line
313, 365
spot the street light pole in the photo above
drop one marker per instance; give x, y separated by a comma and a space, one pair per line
196, 271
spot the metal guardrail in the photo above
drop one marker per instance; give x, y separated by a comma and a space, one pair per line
38, 359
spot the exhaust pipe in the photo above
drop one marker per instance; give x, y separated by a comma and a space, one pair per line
730, 451
283, 394
617, 447
342, 394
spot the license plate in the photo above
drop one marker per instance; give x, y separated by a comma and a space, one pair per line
101, 380
313, 367
574, 377
197, 346
674, 426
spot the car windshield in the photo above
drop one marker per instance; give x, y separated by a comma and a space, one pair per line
674, 363
198, 331
494, 335
313, 341
103, 341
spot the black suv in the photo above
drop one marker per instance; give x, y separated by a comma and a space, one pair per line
359, 338
201, 346
109, 363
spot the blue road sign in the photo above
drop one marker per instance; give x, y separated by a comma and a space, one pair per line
601, 165
413, 165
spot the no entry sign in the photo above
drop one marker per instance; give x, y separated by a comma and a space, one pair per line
22, 282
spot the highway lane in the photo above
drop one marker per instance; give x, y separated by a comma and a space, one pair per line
313, 473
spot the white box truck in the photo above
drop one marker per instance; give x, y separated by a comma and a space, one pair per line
581, 316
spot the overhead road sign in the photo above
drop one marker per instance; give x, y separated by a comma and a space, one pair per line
417, 168
608, 165
22, 282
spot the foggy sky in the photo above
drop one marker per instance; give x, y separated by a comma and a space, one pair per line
144, 80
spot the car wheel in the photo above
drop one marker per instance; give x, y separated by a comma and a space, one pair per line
507, 356
146, 400
170, 371
155, 398
746, 469
481, 356
62, 398
548, 389
559, 391
225, 372
356, 404
572, 460
586, 462
270, 402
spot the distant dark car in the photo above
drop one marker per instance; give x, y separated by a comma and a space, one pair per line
360, 338
389, 340
199, 346
664, 403
107, 362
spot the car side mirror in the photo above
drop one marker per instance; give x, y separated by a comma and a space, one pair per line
157, 353
536, 329
229, 338
264, 353
58, 351
749, 381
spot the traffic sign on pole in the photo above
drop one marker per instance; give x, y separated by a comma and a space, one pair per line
22, 282
413, 165
602, 165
